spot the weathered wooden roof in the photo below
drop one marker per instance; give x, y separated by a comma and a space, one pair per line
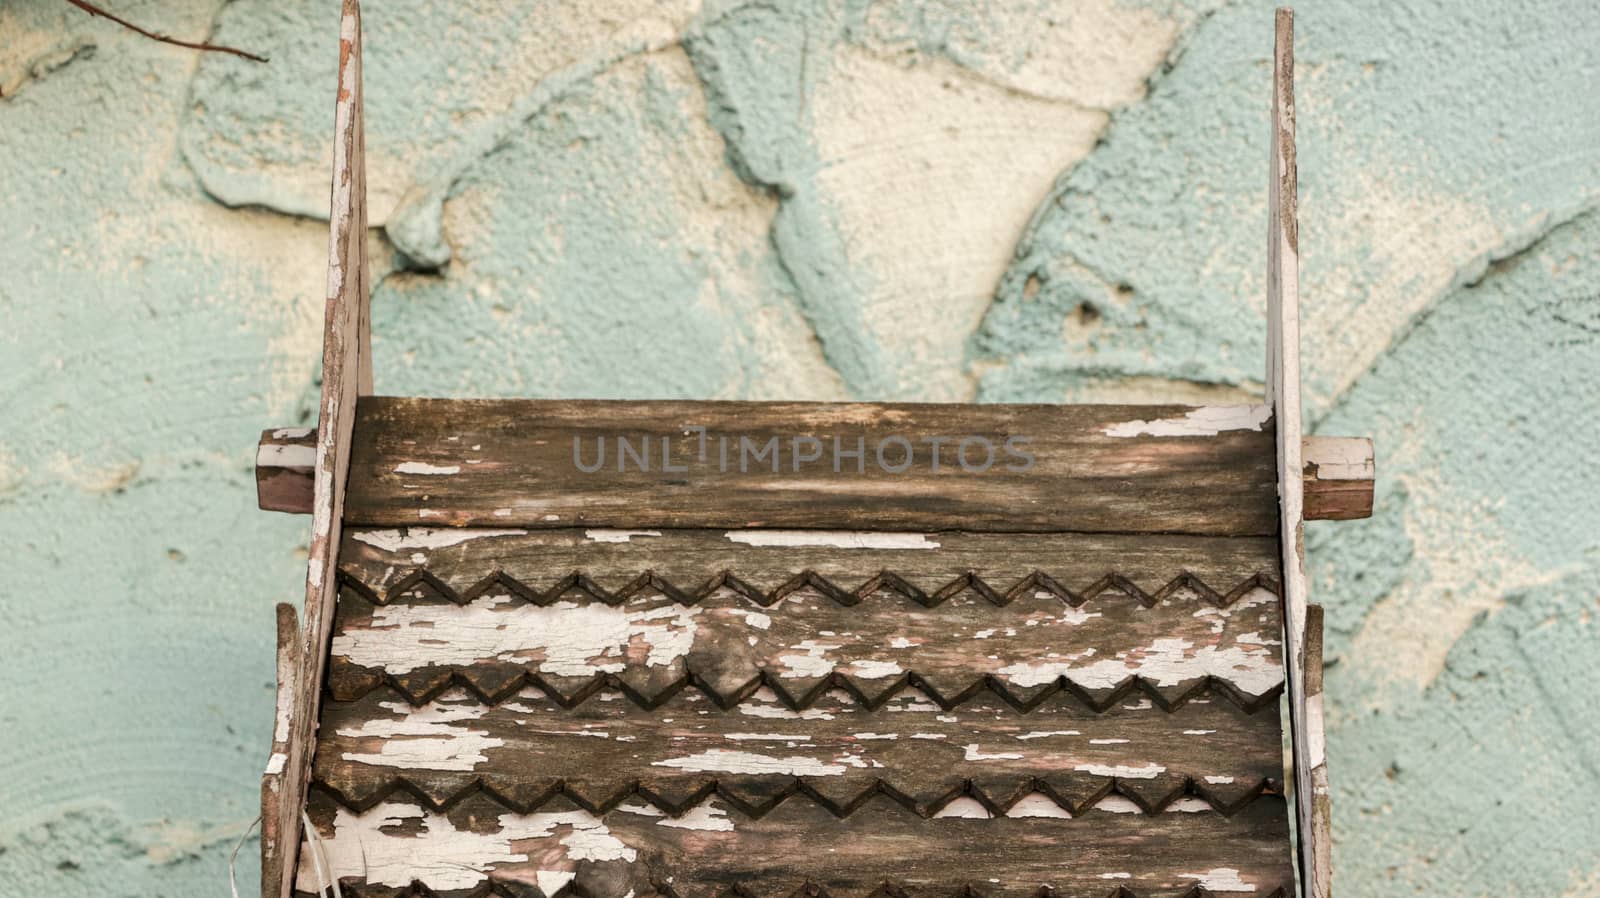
762, 649
521, 703
629, 712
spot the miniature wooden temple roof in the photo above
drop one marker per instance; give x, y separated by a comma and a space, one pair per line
693, 649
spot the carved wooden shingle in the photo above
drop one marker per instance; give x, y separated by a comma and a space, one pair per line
700, 649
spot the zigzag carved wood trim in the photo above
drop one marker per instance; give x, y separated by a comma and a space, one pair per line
581, 585
494, 689
512, 889
524, 795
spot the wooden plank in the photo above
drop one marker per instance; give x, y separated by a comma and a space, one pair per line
690, 564
803, 618
286, 468
1339, 473
1283, 392
880, 849
272, 780
521, 463
343, 352
528, 750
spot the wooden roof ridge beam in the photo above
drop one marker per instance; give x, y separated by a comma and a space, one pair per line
1338, 474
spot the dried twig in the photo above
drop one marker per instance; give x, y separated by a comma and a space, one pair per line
93, 10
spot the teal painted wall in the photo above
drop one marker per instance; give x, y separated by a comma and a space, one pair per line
938, 200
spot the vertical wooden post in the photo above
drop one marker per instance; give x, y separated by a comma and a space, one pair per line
346, 374
1302, 622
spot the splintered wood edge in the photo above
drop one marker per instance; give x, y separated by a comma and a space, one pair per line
346, 368
272, 779
1303, 655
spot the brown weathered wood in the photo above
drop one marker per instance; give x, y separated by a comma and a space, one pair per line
881, 848
286, 464
1283, 392
343, 351
573, 612
1339, 474
1339, 477
528, 750
689, 564
495, 463
273, 846
654, 646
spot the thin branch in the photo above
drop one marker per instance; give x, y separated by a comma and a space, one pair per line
93, 10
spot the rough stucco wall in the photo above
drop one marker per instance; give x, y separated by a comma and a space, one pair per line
937, 200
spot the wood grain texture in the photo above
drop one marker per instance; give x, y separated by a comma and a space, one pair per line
1283, 392
1339, 476
519, 463
479, 847
528, 749
345, 357
575, 618
286, 469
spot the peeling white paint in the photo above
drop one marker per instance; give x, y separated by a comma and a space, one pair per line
830, 539
704, 817
814, 663
975, 754
964, 807
426, 537
1037, 804
1220, 879
1117, 804
1253, 668
719, 760
753, 618
422, 467
1043, 734
1219, 780
565, 639
295, 455
616, 536
443, 857
874, 670
432, 737
1205, 421
1147, 772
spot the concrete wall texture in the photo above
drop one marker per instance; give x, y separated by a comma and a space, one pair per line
983, 200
